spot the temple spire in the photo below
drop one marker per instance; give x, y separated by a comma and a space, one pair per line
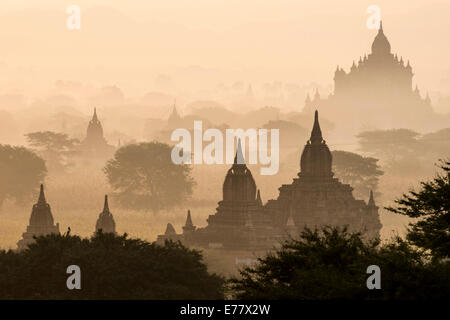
381, 27
41, 195
316, 133
188, 220
371, 202
258, 198
239, 158
188, 226
94, 117
106, 207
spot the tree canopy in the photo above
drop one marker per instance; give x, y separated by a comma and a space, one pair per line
143, 176
403, 151
431, 205
21, 172
362, 173
332, 263
56, 148
112, 267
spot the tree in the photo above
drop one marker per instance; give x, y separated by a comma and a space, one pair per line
21, 172
399, 149
432, 206
332, 264
111, 267
143, 176
362, 173
55, 148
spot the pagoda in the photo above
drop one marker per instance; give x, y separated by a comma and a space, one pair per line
41, 222
95, 144
315, 198
377, 92
105, 222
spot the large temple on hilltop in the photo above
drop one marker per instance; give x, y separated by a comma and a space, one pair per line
41, 222
315, 198
95, 145
377, 92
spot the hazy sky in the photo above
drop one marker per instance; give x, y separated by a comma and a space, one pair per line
128, 43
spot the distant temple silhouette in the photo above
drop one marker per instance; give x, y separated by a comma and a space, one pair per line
377, 91
313, 199
95, 145
105, 221
174, 118
41, 222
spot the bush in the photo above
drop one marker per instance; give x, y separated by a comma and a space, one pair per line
112, 267
332, 264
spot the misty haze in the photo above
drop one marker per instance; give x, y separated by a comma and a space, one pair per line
87, 118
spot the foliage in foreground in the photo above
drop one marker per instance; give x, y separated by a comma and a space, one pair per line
112, 267
432, 206
331, 263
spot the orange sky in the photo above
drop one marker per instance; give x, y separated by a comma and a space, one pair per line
128, 43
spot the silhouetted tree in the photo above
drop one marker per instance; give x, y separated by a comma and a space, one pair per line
432, 206
400, 149
362, 173
112, 267
332, 264
55, 148
21, 172
143, 176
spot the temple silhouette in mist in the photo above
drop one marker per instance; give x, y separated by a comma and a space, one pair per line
42, 223
376, 92
315, 198
241, 221
95, 144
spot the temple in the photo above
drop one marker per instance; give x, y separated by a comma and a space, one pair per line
41, 222
95, 145
174, 118
105, 222
315, 198
378, 90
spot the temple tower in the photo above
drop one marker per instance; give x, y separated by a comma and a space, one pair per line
316, 198
376, 91
188, 226
174, 118
316, 158
41, 222
105, 221
94, 133
239, 194
95, 146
